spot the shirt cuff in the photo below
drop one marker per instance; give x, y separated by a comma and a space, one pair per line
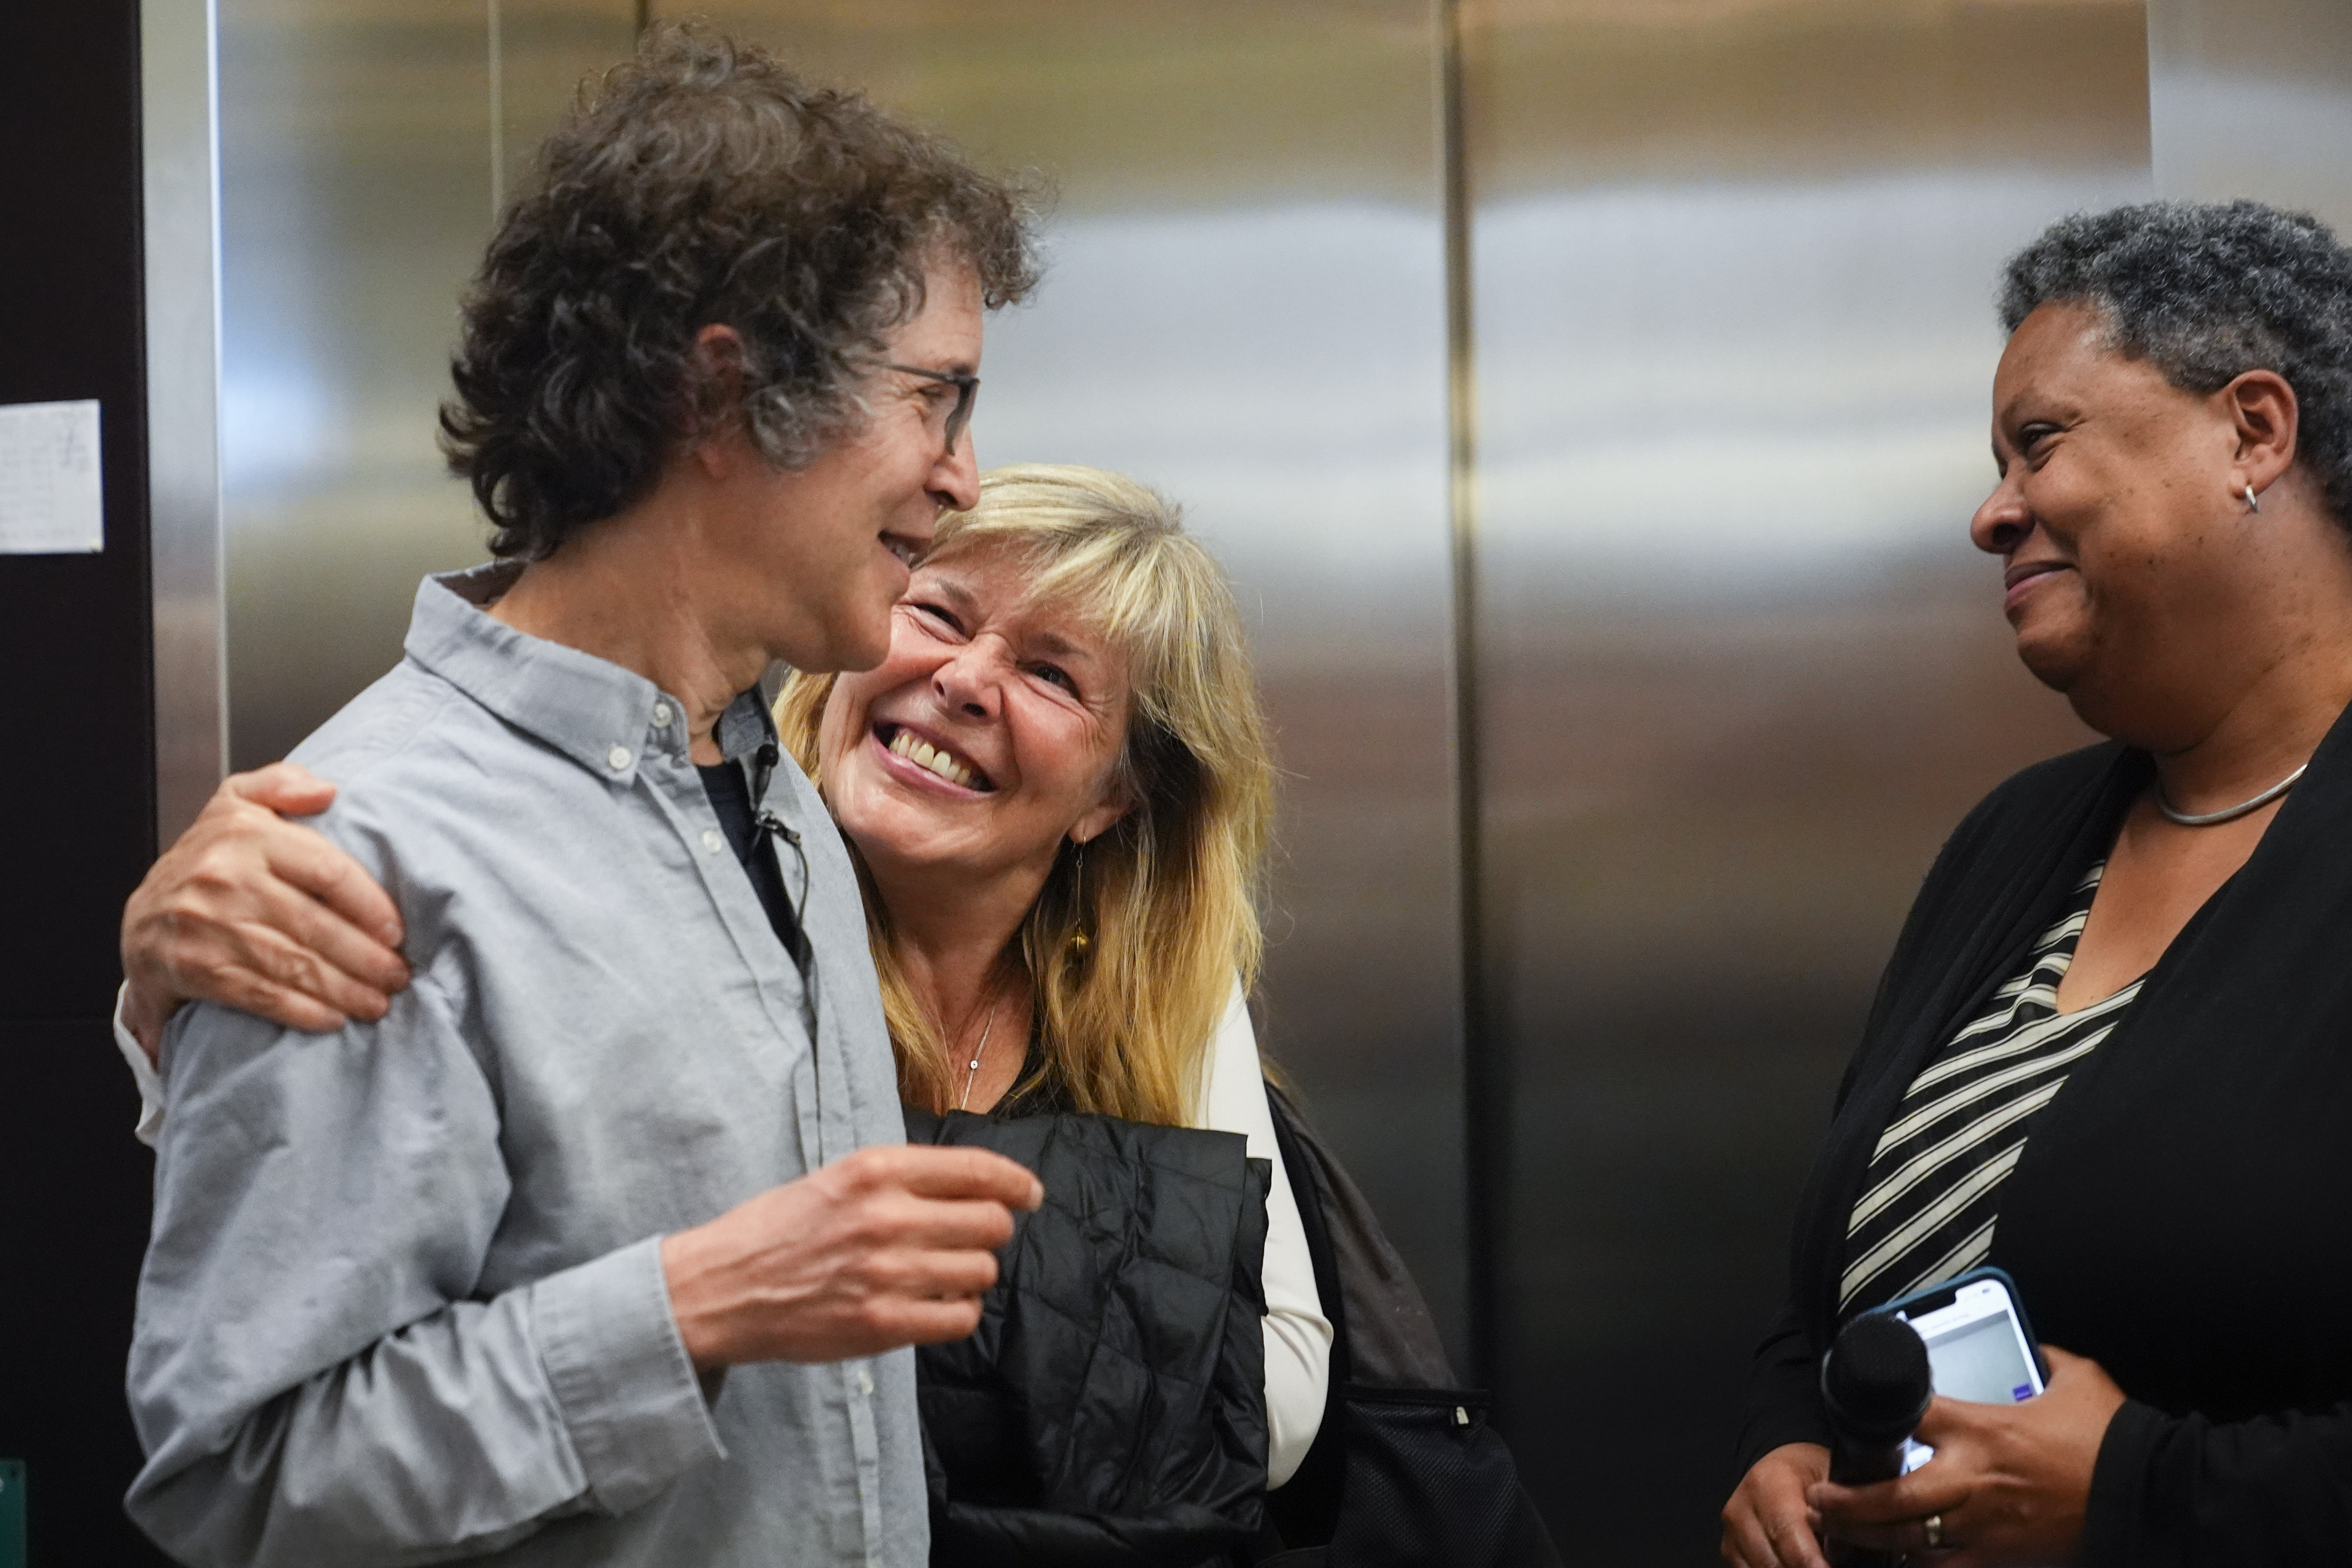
621, 1375
142, 1073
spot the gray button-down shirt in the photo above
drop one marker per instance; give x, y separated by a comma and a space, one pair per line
403, 1299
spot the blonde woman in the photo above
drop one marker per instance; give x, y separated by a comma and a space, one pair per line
1058, 786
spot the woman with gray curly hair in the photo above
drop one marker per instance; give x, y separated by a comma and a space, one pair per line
2108, 1055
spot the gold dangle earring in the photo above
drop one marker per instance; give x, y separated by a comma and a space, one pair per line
1079, 941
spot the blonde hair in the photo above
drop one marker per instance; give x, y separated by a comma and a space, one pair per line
1132, 948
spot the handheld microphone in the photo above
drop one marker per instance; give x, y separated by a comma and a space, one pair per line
1875, 1385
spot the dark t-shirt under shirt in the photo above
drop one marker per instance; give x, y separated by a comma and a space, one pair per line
730, 798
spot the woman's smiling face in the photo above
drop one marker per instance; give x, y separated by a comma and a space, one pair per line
2117, 519
990, 732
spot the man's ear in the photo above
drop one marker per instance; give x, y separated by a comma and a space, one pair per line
2267, 417
714, 396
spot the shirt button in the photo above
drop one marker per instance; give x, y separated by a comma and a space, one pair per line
711, 839
619, 757
661, 715
865, 1382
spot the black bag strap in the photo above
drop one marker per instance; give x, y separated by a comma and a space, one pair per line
1306, 1509
1391, 1340
1405, 1468
1307, 1182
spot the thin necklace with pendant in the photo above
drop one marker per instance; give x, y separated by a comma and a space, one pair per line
2228, 812
979, 1050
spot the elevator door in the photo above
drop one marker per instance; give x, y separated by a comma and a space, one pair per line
1739, 670
1732, 668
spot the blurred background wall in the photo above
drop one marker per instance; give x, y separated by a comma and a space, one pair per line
1739, 668
1589, 398
2253, 98
1246, 309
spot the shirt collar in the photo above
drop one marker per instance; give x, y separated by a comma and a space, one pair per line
600, 715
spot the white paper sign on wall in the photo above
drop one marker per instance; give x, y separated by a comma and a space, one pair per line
50, 499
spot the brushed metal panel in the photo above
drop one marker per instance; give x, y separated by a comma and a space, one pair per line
1245, 307
542, 51
2253, 98
1739, 670
356, 197
179, 158
357, 174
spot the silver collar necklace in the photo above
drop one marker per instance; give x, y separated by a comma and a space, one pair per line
2228, 812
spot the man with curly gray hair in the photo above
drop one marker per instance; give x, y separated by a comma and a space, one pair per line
600, 1244
709, 241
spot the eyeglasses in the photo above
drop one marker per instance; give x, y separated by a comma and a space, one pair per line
967, 388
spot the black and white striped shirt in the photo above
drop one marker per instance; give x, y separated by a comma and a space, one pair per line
1932, 1191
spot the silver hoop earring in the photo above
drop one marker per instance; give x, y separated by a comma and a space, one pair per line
2253, 501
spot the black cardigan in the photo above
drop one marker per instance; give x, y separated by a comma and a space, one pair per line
2182, 1209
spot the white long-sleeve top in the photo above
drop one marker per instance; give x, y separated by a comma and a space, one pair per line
1230, 1098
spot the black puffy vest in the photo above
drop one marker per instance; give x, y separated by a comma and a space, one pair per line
1110, 1408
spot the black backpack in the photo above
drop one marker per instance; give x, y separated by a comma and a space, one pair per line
1405, 1472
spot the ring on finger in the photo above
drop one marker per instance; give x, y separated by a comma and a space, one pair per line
1934, 1526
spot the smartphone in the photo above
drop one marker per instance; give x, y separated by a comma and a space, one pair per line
1980, 1346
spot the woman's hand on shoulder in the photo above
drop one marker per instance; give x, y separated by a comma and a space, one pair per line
1768, 1523
2009, 1484
252, 911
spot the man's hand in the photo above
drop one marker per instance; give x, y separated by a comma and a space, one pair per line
2008, 1484
890, 1246
251, 911
1768, 1523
